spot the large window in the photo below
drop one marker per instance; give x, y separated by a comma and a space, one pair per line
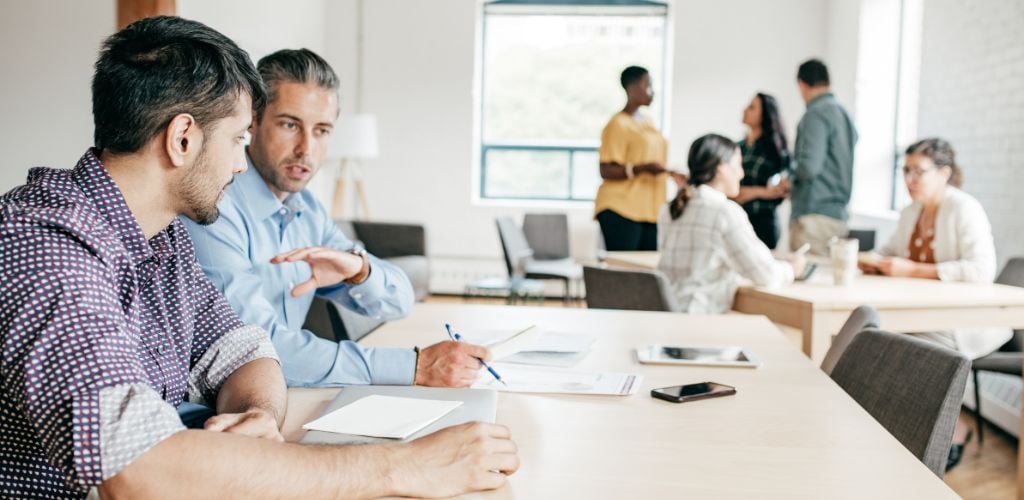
550, 77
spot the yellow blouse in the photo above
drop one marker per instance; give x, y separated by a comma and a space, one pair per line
627, 141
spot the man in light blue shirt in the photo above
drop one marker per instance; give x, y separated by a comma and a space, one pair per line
274, 243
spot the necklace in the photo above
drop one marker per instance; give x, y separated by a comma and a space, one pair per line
925, 227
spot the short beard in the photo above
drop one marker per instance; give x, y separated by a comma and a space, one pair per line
202, 211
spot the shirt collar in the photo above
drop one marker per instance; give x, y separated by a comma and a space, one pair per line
259, 200
94, 180
821, 98
706, 191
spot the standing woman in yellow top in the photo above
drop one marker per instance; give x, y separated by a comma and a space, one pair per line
633, 156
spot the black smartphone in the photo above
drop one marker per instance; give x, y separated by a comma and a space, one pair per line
808, 271
693, 392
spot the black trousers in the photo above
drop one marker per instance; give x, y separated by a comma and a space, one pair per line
622, 234
766, 226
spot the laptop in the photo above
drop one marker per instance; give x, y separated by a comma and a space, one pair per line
478, 405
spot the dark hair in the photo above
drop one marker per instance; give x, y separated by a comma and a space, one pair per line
631, 75
298, 66
160, 67
813, 73
706, 154
941, 152
773, 135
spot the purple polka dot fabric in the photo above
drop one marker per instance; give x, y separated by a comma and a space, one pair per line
100, 330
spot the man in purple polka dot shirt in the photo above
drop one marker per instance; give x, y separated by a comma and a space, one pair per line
107, 323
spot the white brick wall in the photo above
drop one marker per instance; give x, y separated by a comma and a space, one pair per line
972, 93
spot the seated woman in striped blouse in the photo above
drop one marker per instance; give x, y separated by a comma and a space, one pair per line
706, 241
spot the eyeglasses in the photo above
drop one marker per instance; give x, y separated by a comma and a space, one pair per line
915, 173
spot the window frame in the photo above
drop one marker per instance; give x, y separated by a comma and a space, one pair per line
571, 147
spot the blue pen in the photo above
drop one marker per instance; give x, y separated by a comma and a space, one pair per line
456, 337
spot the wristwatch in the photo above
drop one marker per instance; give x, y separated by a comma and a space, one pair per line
364, 272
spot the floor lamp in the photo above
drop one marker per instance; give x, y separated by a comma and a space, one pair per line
354, 139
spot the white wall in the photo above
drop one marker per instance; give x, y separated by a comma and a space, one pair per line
972, 93
262, 26
723, 56
417, 75
48, 48
47, 51
418, 71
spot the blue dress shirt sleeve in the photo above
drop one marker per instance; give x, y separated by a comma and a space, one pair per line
224, 249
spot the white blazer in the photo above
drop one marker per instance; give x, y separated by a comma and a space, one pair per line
964, 251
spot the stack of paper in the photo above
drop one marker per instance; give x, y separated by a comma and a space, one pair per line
533, 346
553, 381
383, 416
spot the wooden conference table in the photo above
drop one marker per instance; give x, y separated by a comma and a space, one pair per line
818, 308
790, 432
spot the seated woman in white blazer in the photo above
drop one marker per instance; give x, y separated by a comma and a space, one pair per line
706, 241
944, 234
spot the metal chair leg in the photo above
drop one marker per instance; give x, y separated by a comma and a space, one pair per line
979, 420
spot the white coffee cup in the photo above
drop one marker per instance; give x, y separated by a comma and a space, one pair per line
844, 260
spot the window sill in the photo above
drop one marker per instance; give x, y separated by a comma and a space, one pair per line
532, 204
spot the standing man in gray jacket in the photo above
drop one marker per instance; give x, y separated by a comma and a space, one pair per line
823, 177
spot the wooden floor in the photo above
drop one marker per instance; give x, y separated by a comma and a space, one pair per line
986, 472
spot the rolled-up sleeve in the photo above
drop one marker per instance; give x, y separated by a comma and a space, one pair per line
79, 375
222, 342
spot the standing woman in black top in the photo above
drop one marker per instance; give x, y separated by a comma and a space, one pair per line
765, 154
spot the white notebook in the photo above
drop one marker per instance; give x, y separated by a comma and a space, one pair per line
383, 416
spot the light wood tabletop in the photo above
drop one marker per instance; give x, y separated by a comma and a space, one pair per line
818, 308
789, 432
632, 260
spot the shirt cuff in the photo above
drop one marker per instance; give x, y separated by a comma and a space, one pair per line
369, 294
133, 419
227, 354
391, 366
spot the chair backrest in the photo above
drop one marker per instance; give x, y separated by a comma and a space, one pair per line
332, 322
1013, 275
638, 290
860, 319
547, 235
386, 239
514, 245
865, 238
913, 387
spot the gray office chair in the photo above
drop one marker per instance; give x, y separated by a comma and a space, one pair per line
865, 238
912, 387
637, 290
860, 319
1010, 357
520, 261
547, 235
333, 322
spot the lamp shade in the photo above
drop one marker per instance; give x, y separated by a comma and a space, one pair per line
354, 136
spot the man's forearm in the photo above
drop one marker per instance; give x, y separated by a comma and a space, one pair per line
200, 464
258, 384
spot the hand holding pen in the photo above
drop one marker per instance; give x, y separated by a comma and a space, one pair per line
457, 338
